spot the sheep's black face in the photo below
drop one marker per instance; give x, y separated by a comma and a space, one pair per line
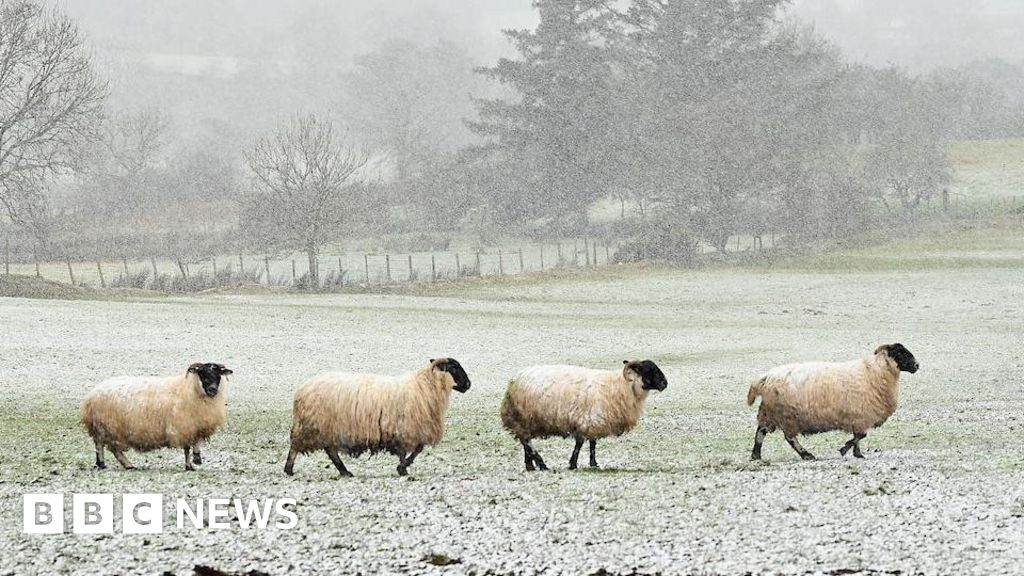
652, 377
452, 366
905, 361
209, 376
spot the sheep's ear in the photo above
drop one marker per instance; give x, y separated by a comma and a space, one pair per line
882, 348
194, 368
431, 360
625, 362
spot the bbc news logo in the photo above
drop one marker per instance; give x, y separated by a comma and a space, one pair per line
144, 513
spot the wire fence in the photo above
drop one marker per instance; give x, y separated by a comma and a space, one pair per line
356, 270
365, 270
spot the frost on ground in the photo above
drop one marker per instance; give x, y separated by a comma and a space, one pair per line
941, 490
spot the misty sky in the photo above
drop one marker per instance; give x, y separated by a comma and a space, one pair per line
191, 57
913, 33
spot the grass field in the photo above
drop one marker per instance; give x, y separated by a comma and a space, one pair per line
988, 169
941, 490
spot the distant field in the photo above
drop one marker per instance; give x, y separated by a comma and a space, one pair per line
990, 169
941, 490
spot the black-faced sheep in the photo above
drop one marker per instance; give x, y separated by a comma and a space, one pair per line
586, 404
355, 413
146, 413
814, 397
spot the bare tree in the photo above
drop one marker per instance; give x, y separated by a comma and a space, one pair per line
134, 140
310, 183
120, 176
50, 101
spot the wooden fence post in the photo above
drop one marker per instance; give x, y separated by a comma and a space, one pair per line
410, 268
559, 253
366, 268
458, 267
71, 273
387, 266
586, 252
520, 259
479, 271
541, 257
433, 269
124, 260
607, 259
593, 246
35, 258
293, 271
152, 262
99, 268
266, 267
501, 264
7, 255
214, 266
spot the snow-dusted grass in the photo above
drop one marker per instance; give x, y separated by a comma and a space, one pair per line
988, 169
941, 490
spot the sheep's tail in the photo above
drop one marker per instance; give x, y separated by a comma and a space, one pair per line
756, 388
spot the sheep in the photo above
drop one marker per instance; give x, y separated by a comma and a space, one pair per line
813, 397
146, 413
587, 404
356, 413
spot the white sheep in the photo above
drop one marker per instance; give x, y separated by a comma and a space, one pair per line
586, 404
814, 397
146, 413
356, 413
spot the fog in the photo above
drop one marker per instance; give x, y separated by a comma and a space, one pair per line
434, 124
154, 52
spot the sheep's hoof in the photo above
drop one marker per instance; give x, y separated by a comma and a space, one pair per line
594, 465
808, 456
402, 471
288, 470
858, 455
101, 465
197, 459
530, 468
347, 474
572, 465
190, 468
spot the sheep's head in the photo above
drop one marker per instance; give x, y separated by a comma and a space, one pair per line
209, 375
899, 354
649, 373
454, 369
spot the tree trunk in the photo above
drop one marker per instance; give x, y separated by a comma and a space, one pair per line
314, 272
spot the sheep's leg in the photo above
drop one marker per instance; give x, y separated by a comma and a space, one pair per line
333, 455
289, 465
799, 449
575, 453
404, 463
532, 457
100, 464
119, 454
528, 456
188, 458
593, 453
197, 458
855, 444
755, 454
